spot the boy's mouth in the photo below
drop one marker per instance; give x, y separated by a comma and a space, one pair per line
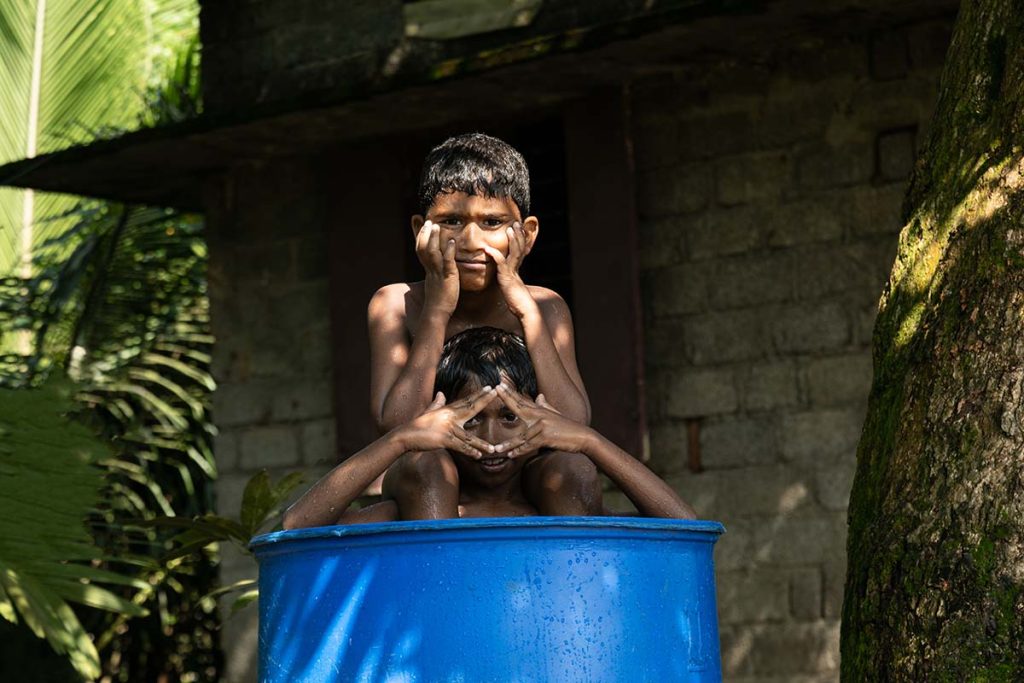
493, 463
471, 265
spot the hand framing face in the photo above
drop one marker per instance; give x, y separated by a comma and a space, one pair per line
545, 426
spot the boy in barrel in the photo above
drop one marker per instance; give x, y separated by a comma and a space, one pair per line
489, 419
474, 231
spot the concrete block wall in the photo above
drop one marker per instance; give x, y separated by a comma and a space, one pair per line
269, 303
259, 51
769, 193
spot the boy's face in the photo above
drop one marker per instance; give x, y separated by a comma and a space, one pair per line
474, 221
494, 424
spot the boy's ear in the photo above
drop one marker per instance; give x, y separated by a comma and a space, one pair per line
531, 226
417, 222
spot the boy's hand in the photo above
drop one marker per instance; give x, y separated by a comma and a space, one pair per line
517, 296
441, 426
442, 280
545, 426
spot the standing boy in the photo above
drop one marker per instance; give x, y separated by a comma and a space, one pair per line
474, 231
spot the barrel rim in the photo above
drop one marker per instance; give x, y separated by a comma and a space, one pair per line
699, 526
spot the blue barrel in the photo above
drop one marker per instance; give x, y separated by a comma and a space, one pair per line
535, 599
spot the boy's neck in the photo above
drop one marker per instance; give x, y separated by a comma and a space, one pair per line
509, 493
479, 305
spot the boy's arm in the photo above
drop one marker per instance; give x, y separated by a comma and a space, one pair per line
402, 374
546, 428
440, 426
547, 329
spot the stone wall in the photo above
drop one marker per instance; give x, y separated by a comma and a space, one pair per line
770, 192
272, 362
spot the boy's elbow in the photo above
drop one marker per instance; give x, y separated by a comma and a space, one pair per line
290, 520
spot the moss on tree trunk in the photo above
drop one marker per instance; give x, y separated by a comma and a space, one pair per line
935, 587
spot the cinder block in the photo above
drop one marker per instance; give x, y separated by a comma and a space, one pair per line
734, 441
661, 241
751, 280
736, 643
803, 222
271, 446
669, 442
835, 585
811, 327
928, 44
821, 165
890, 57
711, 134
664, 344
229, 488
896, 154
769, 386
655, 143
677, 290
841, 380
821, 438
795, 648
752, 177
805, 593
871, 210
318, 443
225, 451
673, 190
750, 492
800, 540
701, 392
726, 231
712, 338
242, 403
752, 595
832, 485
303, 400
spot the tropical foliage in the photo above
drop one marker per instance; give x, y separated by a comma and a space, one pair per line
114, 297
72, 70
49, 473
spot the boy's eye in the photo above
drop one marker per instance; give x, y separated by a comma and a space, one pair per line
510, 418
472, 422
492, 223
449, 222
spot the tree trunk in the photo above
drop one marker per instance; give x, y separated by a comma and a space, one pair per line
935, 585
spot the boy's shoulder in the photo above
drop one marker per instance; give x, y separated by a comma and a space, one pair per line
550, 302
396, 298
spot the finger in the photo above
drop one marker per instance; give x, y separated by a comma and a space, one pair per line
496, 255
449, 258
437, 402
473, 441
513, 400
474, 404
515, 246
542, 401
527, 446
453, 443
521, 444
433, 239
422, 237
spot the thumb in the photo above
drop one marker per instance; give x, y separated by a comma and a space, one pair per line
543, 403
438, 401
449, 258
495, 255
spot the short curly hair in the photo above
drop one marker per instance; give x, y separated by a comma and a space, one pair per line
476, 164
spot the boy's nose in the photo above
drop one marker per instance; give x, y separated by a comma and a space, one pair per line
470, 236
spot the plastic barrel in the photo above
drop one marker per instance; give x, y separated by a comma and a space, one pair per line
537, 600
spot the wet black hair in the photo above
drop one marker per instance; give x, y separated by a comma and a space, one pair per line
488, 355
476, 164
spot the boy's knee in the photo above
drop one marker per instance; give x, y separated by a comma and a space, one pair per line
416, 472
568, 472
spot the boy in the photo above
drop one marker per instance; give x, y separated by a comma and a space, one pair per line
489, 375
473, 234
